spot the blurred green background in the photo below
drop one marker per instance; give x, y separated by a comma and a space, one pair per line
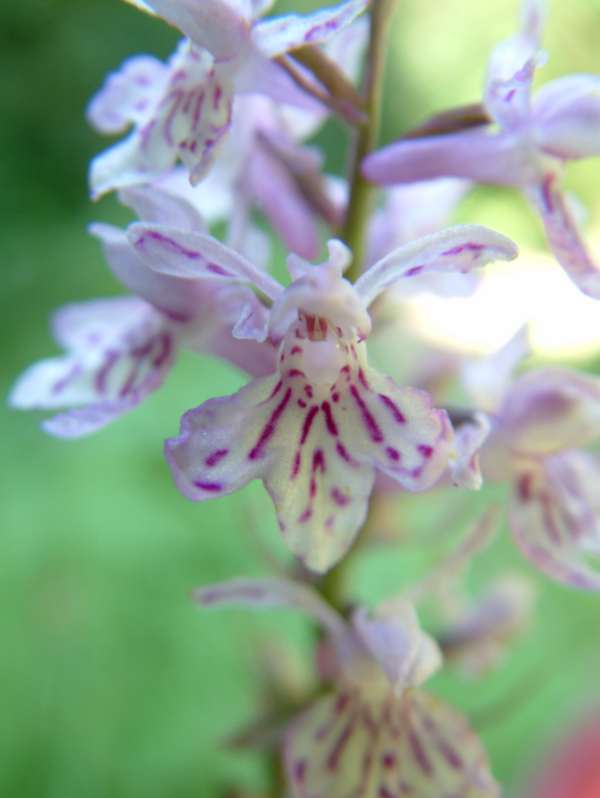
112, 683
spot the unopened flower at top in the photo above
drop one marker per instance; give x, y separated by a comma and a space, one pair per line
316, 430
183, 109
376, 734
533, 139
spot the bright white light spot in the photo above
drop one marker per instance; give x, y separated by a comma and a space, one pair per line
533, 290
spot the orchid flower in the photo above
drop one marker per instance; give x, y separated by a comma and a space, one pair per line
377, 734
183, 109
539, 421
319, 427
120, 350
534, 137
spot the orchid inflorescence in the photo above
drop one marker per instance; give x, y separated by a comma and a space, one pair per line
218, 134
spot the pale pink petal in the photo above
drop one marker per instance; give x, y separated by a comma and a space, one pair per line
281, 34
348, 47
456, 249
178, 299
119, 351
215, 25
277, 194
349, 744
511, 69
272, 592
468, 440
478, 155
160, 204
563, 235
314, 444
212, 199
128, 94
193, 255
487, 379
126, 164
554, 524
394, 639
567, 117
264, 76
549, 410
260, 7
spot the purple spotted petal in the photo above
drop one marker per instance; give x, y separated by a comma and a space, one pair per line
478, 155
549, 410
215, 25
455, 249
192, 256
188, 118
554, 521
352, 743
314, 444
176, 298
567, 117
119, 351
127, 94
563, 235
272, 592
511, 69
210, 316
279, 35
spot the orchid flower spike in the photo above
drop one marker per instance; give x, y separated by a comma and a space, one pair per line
118, 351
533, 139
539, 422
377, 734
183, 109
319, 427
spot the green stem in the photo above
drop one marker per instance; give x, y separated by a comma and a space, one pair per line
333, 586
361, 193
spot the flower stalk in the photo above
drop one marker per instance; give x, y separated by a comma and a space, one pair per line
361, 195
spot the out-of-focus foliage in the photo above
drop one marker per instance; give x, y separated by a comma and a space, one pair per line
111, 682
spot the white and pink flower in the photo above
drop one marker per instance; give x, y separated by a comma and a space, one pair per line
316, 430
376, 733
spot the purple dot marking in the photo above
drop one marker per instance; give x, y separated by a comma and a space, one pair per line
368, 420
209, 487
339, 498
397, 414
212, 459
329, 419
269, 429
